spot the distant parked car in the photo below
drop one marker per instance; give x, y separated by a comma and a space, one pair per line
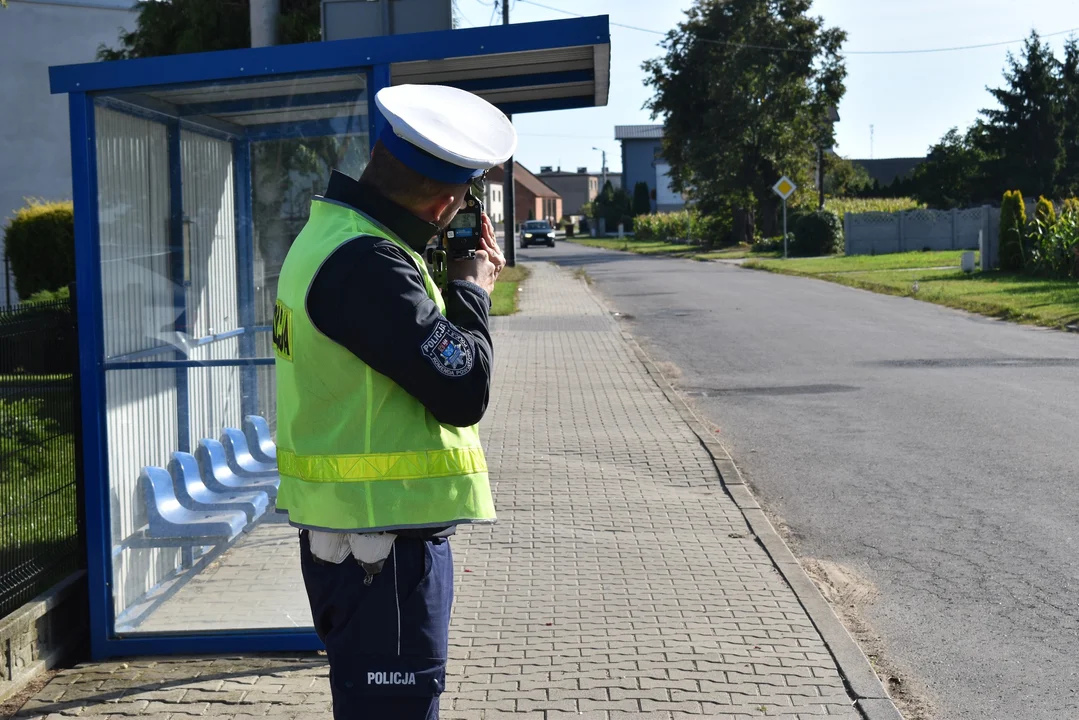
535, 232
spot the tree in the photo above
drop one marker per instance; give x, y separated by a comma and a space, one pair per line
953, 174
743, 89
1013, 222
642, 199
171, 27
1068, 184
614, 206
843, 178
1024, 135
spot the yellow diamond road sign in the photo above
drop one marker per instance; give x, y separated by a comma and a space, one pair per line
784, 187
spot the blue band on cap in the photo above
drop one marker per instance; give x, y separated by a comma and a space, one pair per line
425, 163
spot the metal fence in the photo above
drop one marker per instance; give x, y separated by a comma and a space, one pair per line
40, 541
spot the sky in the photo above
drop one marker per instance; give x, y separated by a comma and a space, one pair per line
911, 100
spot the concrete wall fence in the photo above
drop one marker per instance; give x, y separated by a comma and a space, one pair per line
878, 233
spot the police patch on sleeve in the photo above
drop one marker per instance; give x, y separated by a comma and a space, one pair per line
448, 350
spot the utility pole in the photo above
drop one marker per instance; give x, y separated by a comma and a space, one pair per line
604, 153
509, 200
264, 22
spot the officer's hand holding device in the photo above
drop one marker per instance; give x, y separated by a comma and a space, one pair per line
467, 249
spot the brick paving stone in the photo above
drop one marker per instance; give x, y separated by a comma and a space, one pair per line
620, 582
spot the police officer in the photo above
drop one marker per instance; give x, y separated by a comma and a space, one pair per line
381, 381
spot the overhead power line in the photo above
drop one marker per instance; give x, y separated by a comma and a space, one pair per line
919, 51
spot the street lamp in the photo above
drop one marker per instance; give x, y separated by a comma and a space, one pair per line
604, 167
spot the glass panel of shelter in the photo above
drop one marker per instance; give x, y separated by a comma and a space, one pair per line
201, 190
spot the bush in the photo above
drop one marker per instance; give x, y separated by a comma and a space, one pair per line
1070, 206
40, 243
1044, 212
1053, 247
684, 226
1013, 220
710, 230
817, 233
642, 199
50, 296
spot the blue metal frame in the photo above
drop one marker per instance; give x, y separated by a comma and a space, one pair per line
378, 79
316, 57
211, 643
92, 381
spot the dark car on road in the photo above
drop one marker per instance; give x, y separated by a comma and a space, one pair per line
537, 232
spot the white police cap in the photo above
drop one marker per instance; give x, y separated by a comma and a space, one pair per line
444, 133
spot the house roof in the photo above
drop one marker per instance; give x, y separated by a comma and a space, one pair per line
886, 170
638, 132
523, 176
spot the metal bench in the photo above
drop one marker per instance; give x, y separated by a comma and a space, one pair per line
219, 477
193, 494
259, 439
170, 524
239, 457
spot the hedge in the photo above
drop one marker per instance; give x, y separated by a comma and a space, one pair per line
817, 233
683, 226
1013, 220
40, 244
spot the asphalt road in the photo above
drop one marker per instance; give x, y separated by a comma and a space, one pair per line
934, 453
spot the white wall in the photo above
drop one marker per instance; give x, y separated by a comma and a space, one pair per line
35, 154
493, 201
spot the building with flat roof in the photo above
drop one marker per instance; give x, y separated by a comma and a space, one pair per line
576, 188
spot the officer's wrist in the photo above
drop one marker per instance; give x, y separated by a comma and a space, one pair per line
471, 284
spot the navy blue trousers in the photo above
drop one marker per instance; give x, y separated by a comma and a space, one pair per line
387, 642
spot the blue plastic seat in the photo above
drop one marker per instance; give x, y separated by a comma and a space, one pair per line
259, 439
193, 494
169, 520
218, 476
239, 456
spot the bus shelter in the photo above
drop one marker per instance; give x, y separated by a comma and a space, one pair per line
191, 176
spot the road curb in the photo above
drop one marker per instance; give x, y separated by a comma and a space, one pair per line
863, 685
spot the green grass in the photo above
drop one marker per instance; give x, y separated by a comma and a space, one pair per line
642, 247
666, 249
504, 298
1018, 298
863, 263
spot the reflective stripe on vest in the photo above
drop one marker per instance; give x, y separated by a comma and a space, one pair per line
382, 466
355, 451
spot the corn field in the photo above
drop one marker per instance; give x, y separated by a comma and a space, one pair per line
861, 205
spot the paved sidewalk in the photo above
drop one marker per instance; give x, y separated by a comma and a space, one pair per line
620, 582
